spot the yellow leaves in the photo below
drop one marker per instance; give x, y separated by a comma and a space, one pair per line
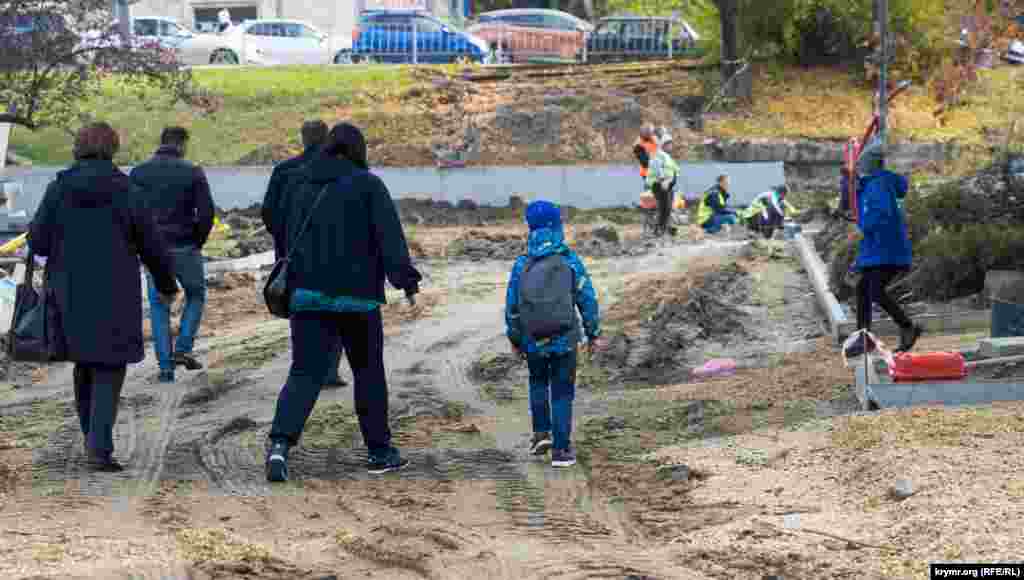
830, 104
926, 426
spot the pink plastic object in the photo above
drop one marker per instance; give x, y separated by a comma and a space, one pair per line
716, 367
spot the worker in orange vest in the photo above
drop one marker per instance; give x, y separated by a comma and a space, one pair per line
645, 148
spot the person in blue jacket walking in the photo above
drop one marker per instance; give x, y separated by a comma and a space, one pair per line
885, 250
552, 360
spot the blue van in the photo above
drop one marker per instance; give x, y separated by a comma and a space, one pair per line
387, 36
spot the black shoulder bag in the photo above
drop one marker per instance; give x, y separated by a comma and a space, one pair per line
36, 334
276, 293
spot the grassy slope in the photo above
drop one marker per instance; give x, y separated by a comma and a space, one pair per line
262, 109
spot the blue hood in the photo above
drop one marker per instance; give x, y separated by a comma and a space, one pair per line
546, 241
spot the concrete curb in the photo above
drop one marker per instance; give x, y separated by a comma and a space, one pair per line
815, 267
253, 262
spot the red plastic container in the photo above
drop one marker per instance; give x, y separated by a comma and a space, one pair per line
928, 366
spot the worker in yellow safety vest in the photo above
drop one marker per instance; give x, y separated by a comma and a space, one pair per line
768, 211
714, 213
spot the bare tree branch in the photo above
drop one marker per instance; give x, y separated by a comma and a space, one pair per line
56, 55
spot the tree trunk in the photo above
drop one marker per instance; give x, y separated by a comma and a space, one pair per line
735, 86
588, 9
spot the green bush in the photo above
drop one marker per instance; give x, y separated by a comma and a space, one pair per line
952, 264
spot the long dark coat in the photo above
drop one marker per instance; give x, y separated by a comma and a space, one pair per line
93, 232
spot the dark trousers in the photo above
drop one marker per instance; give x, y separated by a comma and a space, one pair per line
871, 288
97, 394
768, 225
313, 337
552, 390
664, 197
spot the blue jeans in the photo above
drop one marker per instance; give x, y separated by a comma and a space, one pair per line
552, 390
714, 225
313, 336
191, 274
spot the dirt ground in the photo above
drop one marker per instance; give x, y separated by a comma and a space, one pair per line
767, 471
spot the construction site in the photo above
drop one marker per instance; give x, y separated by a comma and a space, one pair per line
722, 434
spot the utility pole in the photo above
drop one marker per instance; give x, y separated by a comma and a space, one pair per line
883, 73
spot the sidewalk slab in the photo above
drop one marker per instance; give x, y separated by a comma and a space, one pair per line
951, 393
1002, 347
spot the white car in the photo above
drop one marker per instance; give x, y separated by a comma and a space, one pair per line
264, 42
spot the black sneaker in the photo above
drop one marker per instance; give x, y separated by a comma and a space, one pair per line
188, 361
860, 346
541, 443
277, 462
563, 458
908, 337
105, 464
390, 460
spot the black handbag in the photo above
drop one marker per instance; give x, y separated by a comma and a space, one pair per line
276, 293
36, 333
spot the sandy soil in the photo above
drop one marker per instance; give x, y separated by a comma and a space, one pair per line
766, 443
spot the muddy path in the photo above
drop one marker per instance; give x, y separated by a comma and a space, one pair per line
473, 502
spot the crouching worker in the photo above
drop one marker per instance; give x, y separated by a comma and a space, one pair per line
714, 212
545, 289
768, 211
884, 251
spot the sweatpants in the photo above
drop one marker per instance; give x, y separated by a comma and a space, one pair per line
871, 288
362, 338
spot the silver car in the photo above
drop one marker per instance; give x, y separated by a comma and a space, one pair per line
264, 42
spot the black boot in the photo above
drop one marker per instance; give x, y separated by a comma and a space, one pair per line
909, 336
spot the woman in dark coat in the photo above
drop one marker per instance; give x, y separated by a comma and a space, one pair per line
91, 230
354, 241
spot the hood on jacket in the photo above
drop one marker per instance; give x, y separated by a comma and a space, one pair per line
347, 141
546, 241
82, 179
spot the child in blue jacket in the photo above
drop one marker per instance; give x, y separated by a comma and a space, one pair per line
552, 361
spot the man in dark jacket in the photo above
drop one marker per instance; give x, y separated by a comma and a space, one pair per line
286, 177
354, 241
884, 252
93, 233
177, 194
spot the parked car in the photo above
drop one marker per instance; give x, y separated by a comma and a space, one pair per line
148, 32
263, 42
624, 38
387, 36
520, 34
20, 32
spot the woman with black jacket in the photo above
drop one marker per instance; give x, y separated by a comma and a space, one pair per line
93, 233
336, 276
